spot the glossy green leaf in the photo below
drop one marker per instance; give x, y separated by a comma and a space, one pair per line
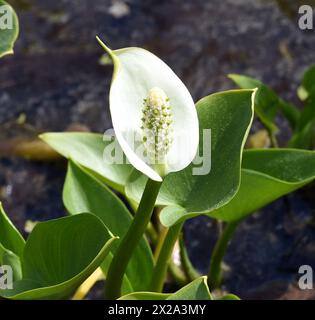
266, 176
10, 237
267, 103
229, 116
9, 28
59, 255
196, 290
85, 193
87, 149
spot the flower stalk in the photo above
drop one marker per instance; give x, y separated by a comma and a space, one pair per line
163, 258
129, 242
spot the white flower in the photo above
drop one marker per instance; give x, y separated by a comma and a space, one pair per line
150, 104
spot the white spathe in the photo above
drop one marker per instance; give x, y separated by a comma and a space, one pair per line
136, 72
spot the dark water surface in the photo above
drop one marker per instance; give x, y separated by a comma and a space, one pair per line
56, 80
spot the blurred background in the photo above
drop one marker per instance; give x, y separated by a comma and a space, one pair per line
55, 82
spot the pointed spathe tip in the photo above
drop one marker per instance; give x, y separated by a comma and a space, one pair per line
103, 45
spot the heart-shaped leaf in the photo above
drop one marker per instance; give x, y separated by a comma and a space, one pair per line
85, 193
87, 149
9, 28
229, 116
196, 290
266, 176
59, 255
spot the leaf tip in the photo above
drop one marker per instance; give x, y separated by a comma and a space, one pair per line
255, 90
42, 136
103, 45
232, 76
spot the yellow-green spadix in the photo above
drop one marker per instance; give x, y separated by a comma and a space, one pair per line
153, 113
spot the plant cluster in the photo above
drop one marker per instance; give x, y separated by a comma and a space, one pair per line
126, 218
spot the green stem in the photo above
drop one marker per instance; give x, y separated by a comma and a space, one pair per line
163, 259
190, 272
151, 232
215, 271
130, 241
